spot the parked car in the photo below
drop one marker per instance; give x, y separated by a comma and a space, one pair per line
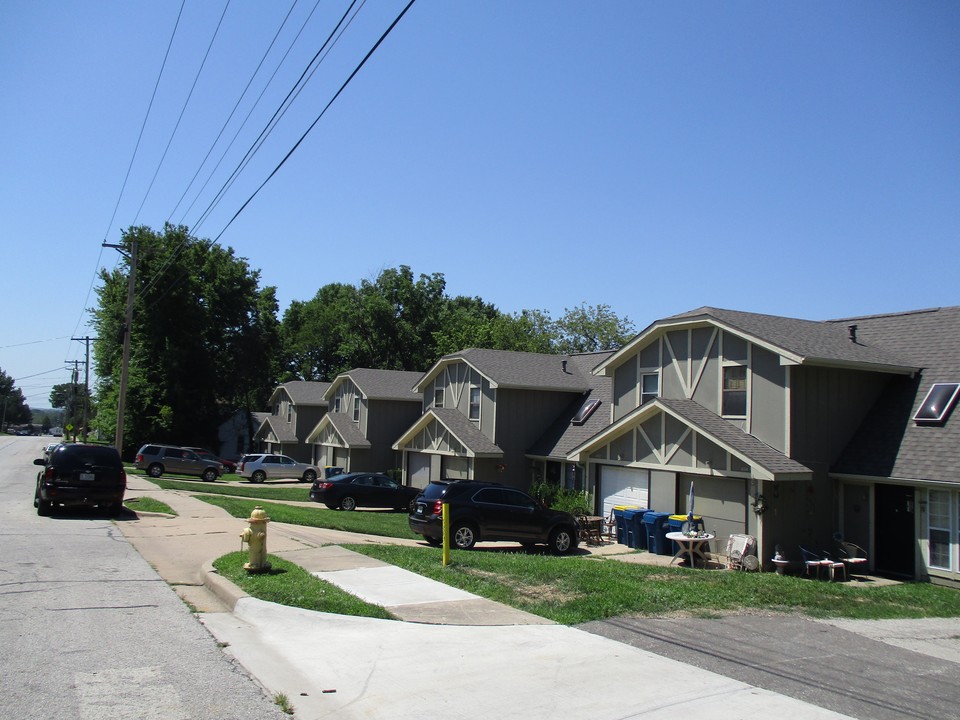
47, 449
228, 465
260, 466
78, 474
333, 470
353, 490
490, 511
160, 459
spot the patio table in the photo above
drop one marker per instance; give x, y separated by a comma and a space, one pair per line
692, 547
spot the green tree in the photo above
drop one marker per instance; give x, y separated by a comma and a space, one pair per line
205, 339
586, 329
15, 409
69, 397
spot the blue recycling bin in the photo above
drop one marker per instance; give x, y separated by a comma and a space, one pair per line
635, 519
656, 524
620, 519
630, 527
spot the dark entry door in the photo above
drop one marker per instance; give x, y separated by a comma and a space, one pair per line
894, 533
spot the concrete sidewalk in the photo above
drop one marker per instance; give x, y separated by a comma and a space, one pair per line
457, 656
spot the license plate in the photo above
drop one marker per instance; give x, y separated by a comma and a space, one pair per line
421, 508
87, 477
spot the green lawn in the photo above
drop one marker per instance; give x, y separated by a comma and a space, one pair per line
573, 590
250, 490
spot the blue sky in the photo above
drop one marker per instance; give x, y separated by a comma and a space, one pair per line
798, 159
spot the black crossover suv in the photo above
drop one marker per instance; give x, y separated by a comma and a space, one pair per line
490, 511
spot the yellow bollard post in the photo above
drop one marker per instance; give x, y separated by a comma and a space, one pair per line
446, 534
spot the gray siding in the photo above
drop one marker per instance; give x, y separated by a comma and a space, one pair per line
768, 399
625, 396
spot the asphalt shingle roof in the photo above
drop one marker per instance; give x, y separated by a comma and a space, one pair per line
466, 432
532, 371
810, 340
303, 392
563, 436
889, 443
386, 384
347, 429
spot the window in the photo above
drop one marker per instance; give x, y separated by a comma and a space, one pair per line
474, 403
649, 387
289, 412
939, 529
937, 403
586, 410
735, 391
438, 397
356, 409
336, 404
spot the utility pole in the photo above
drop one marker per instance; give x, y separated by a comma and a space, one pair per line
71, 409
86, 384
127, 327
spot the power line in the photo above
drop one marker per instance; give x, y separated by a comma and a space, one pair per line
183, 110
322, 113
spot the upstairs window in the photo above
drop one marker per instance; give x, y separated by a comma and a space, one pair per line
438, 397
356, 409
735, 391
649, 387
474, 403
937, 403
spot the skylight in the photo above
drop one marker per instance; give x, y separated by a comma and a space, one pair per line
586, 410
937, 403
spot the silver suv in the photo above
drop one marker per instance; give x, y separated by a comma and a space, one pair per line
160, 459
261, 466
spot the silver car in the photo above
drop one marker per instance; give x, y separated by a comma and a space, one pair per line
261, 466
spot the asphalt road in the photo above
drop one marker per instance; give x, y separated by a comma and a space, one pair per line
819, 663
88, 628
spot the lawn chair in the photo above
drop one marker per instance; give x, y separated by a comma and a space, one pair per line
609, 527
820, 561
742, 552
852, 556
589, 530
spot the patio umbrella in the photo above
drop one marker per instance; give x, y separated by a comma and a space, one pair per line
690, 505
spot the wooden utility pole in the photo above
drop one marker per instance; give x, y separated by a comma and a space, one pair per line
86, 385
127, 327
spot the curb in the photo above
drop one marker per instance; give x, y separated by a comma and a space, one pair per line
226, 591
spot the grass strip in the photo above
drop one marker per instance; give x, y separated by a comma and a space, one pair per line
386, 524
289, 584
247, 490
573, 590
147, 504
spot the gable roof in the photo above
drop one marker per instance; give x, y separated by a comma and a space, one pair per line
380, 384
800, 342
515, 370
765, 461
302, 392
889, 443
467, 434
344, 426
282, 431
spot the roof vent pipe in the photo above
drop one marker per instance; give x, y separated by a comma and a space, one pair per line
852, 330
563, 364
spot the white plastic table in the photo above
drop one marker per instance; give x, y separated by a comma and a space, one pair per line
692, 547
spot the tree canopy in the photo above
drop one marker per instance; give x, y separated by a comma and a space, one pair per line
15, 409
204, 341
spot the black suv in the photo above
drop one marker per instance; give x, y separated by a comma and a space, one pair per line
80, 475
490, 511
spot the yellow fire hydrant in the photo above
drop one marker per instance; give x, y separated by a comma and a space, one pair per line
255, 537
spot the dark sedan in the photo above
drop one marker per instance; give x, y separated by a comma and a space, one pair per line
353, 490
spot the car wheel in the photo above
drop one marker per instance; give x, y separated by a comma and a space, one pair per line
332, 506
209, 475
258, 477
115, 509
44, 507
309, 476
155, 470
561, 541
463, 537
348, 503
435, 542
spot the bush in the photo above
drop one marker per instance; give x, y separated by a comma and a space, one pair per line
558, 498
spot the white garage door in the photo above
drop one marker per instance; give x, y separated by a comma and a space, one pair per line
623, 486
418, 469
